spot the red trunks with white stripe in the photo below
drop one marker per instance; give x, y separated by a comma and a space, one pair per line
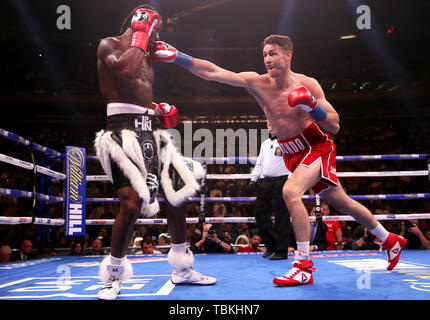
309, 146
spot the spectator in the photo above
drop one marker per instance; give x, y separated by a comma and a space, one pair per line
334, 231
242, 240
227, 237
164, 242
77, 249
216, 192
5, 253
52, 253
164, 239
97, 248
254, 242
416, 240
318, 235
318, 239
210, 242
137, 242
193, 233
219, 210
362, 239
148, 247
25, 251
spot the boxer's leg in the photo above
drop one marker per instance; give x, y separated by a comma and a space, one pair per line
301, 180
341, 202
115, 268
180, 257
122, 230
393, 243
176, 223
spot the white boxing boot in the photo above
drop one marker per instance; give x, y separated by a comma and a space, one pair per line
182, 259
113, 271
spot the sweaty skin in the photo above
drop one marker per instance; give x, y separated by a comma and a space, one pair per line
126, 75
271, 91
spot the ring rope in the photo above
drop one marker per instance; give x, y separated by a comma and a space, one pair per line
34, 146
98, 222
30, 166
50, 198
48, 151
60, 176
236, 160
28, 194
247, 176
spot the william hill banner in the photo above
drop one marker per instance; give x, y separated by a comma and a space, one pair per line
76, 190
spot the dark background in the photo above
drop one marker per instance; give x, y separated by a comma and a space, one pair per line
378, 82
49, 76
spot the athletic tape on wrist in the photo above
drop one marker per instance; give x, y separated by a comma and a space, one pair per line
318, 113
183, 60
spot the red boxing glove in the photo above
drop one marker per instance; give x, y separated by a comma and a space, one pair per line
163, 52
302, 97
143, 23
168, 114
166, 53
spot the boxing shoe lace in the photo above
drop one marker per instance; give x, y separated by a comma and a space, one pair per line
196, 275
192, 276
297, 267
109, 283
292, 273
111, 289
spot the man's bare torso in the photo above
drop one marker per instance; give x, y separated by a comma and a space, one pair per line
286, 122
125, 74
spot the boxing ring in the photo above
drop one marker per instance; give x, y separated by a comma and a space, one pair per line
340, 275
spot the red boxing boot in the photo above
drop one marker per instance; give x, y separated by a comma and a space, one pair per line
394, 246
300, 274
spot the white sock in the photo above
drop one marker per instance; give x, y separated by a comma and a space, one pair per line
302, 252
179, 247
380, 232
116, 261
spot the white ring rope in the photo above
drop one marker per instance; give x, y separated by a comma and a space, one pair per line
247, 176
62, 176
98, 222
30, 166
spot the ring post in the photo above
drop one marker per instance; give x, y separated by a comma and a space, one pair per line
76, 192
203, 192
318, 208
428, 167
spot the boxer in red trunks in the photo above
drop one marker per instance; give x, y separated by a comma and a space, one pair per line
302, 119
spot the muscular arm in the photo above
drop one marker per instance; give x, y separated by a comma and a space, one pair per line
119, 61
209, 71
331, 122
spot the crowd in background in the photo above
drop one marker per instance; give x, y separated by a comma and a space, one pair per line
352, 141
67, 69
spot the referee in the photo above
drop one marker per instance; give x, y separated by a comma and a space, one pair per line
270, 165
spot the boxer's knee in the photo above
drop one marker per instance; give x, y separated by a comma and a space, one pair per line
130, 203
290, 194
130, 209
